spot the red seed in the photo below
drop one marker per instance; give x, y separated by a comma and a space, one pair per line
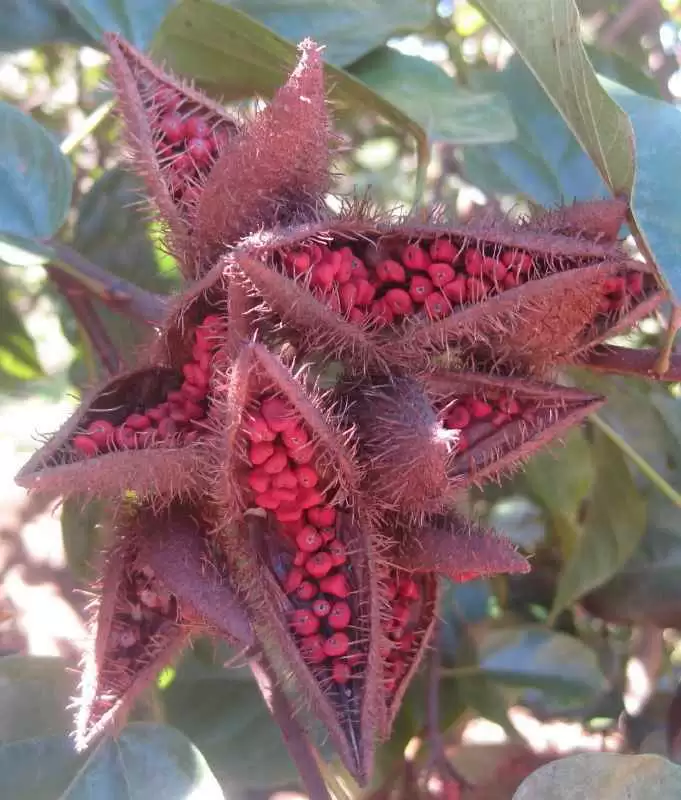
605, 305
479, 408
614, 285
341, 672
382, 313
500, 419
322, 517
390, 590
85, 445
443, 250
509, 405
195, 375
167, 427
200, 151
358, 268
306, 477
414, 257
303, 454
441, 273
635, 283
336, 585
173, 128
293, 580
338, 553
461, 443
405, 642
309, 498
259, 481
307, 589
157, 414
296, 437
407, 587
197, 127
357, 316
328, 534
304, 622
276, 462
300, 558
193, 411
267, 500
437, 305
521, 262
285, 496
340, 616
319, 564
166, 98
401, 616
473, 261
348, 297
337, 645
257, 430
260, 452
323, 276
177, 414
321, 607
138, 422
278, 414
289, 512
365, 291
419, 288
101, 432
309, 540
399, 302
390, 271
511, 281
476, 289
299, 261
458, 418
284, 480
312, 649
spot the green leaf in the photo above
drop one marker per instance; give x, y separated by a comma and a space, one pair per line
546, 35
112, 231
81, 534
346, 28
657, 137
136, 20
18, 358
606, 776
648, 588
614, 525
545, 161
223, 712
536, 658
31, 23
37, 756
231, 56
427, 94
35, 177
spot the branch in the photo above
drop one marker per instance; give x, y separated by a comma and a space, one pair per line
88, 319
115, 292
294, 736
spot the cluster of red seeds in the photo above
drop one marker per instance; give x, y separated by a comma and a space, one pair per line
434, 279
188, 144
405, 597
285, 482
476, 417
179, 415
144, 615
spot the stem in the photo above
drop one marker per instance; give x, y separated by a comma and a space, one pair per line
295, 738
640, 462
664, 362
630, 361
88, 319
115, 292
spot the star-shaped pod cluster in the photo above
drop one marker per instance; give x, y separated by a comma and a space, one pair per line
311, 524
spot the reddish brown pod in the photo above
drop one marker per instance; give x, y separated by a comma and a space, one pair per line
138, 430
383, 293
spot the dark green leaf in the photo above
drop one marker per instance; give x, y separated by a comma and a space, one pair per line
648, 588
427, 94
614, 524
546, 35
136, 20
537, 658
30, 23
606, 776
18, 357
223, 713
657, 135
616, 68
347, 29
232, 56
545, 162
81, 534
35, 177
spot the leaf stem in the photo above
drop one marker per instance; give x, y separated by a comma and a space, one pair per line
650, 473
295, 738
115, 292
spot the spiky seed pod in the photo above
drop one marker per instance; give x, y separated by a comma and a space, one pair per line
457, 548
175, 135
398, 293
499, 422
403, 444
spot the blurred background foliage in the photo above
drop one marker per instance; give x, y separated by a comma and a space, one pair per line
458, 104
